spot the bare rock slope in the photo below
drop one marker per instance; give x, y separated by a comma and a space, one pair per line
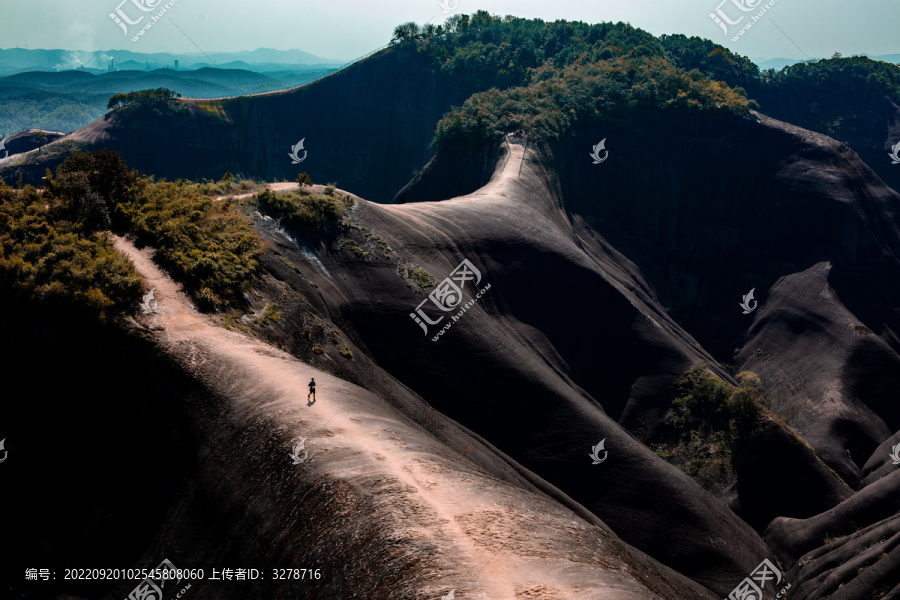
376, 498
571, 341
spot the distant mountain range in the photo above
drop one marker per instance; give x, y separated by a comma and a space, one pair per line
18, 60
69, 100
261, 60
64, 90
200, 83
780, 63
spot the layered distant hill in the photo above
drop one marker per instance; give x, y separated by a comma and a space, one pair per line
17, 60
63, 90
69, 100
780, 63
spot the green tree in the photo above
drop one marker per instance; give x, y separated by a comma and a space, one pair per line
92, 212
147, 97
39, 139
405, 32
304, 179
104, 173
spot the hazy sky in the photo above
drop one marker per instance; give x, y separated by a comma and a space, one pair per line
345, 29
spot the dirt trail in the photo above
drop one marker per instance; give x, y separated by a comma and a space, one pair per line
511, 170
489, 533
286, 186
502, 178
281, 186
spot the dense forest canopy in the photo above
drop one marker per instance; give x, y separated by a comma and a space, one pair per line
143, 97
55, 249
712, 60
545, 76
503, 51
840, 97
159, 102
35, 109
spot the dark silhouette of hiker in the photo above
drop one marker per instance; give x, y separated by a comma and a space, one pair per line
312, 389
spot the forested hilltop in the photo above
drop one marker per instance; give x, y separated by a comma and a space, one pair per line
68, 100
537, 65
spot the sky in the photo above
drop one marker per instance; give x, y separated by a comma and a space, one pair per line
346, 29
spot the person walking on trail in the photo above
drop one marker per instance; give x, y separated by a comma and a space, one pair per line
312, 389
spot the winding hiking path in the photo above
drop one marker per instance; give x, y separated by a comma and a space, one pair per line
494, 540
